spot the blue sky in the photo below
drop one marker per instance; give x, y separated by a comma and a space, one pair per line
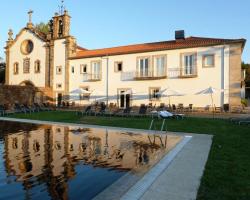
99, 23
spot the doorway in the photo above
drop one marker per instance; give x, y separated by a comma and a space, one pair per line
59, 99
124, 98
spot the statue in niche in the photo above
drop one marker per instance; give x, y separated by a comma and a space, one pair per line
60, 31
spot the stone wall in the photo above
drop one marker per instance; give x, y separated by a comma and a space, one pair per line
235, 76
16, 94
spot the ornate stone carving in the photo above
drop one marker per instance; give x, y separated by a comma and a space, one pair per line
10, 33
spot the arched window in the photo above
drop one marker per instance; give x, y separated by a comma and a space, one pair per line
16, 68
37, 66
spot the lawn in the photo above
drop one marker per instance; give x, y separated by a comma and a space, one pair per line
227, 173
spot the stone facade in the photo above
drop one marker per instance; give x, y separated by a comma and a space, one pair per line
235, 75
17, 94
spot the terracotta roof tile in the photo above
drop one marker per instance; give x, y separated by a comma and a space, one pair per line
189, 42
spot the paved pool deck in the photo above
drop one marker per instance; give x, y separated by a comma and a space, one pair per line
179, 179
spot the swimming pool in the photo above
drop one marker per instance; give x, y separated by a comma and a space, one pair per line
68, 162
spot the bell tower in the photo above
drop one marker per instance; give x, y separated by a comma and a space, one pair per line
60, 25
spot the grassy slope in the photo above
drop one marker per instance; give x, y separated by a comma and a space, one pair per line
227, 173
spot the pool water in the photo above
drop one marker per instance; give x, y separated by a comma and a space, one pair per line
69, 162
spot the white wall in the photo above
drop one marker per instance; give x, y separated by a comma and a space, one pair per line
206, 77
38, 53
59, 60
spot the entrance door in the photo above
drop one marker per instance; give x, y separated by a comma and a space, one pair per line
59, 99
124, 99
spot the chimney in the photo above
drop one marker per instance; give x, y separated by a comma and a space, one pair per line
180, 35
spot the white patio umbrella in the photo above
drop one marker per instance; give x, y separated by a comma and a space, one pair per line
135, 95
168, 92
209, 91
98, 95
80, 91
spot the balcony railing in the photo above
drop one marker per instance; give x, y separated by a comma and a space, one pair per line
182, 72
171, 73
188, 72
91, 77
145, 75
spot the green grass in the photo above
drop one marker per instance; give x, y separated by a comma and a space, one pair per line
227, 172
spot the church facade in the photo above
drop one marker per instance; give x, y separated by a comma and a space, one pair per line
169, 72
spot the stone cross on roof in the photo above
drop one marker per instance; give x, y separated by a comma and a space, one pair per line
30, 15
29, 24
62, 8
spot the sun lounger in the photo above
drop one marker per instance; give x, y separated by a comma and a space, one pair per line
166, 114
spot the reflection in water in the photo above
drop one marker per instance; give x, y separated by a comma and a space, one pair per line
56, 162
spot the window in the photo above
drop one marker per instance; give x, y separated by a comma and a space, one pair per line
59, 70
143, 67
26, 65
160, 62
154, 94
59, 85
37, 66
83, 69
72, 69
189, 64
96, 70
118, 66
16, 68
208, 60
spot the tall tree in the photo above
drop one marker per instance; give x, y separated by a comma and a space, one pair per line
2, 70
42, 27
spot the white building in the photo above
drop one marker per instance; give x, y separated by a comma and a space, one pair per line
125, 75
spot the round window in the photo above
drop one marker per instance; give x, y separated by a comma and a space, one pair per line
27, 47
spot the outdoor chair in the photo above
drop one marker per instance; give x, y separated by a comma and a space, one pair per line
190, 107
27, 108
38, 107
142, 111
86, 111
161, 107
239, 121
112, 111
18, 108
125, 112
218, 109
2, 110
180, 107
101, 110
46, 105
44, 108
173, 108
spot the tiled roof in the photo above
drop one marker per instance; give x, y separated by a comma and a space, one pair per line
188, 42
79, 48
38, 33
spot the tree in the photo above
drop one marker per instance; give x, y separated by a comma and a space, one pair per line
2, 70
42, 27
245, 65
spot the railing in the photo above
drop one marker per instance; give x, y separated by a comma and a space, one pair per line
145, 75
175, 72
182, 72
91, 77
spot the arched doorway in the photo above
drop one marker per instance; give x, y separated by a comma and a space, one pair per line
27, 83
